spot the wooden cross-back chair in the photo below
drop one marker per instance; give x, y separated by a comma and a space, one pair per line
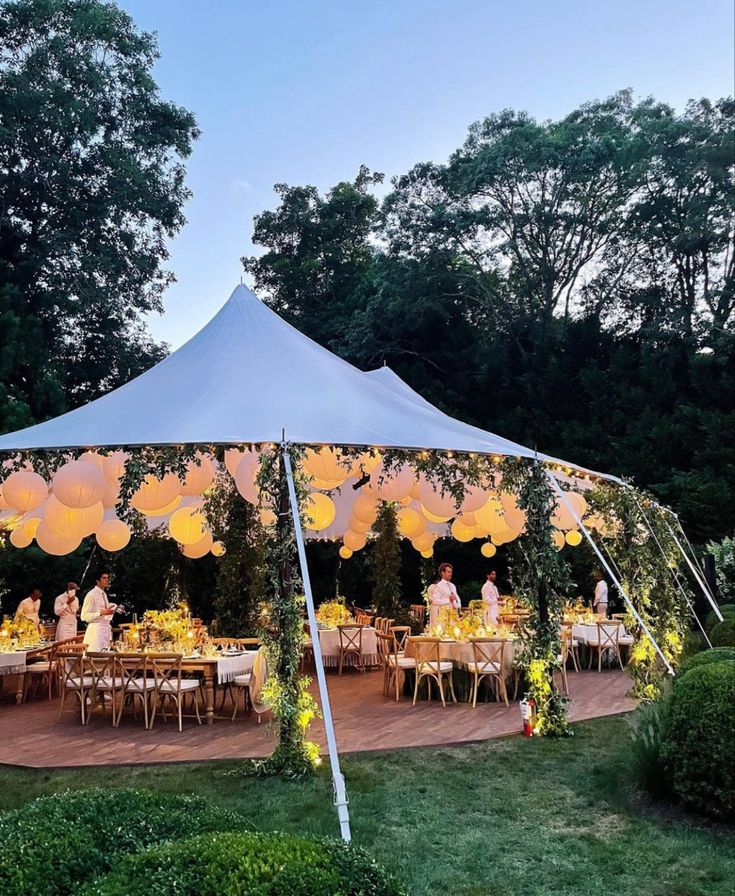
608, 638
72, 679
170, 685
135, 683
401, 633
397, 664
430, 665
350, 645
487, 662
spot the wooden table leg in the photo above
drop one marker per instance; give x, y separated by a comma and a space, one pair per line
209, 695
21, 687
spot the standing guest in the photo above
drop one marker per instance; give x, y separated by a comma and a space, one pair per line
66, 607
443, 593
97, 612
491, 598
599, 604
30, 606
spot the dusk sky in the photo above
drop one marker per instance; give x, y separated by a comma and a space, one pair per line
306, 92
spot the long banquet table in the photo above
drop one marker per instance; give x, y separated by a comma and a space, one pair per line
14, 664
224, 668
329, 641
461, 653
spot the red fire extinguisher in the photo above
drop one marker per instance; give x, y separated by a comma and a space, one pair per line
527, 707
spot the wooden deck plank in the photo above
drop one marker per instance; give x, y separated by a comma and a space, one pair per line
364, 720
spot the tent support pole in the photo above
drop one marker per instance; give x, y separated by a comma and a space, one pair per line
616, 581
695, 572
673, 571
338, 781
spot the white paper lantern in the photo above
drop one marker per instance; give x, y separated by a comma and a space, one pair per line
434, 500
475, 497
410, 522
19, 538
72, 522
423, 542
323, 468
468, 519
364, 508
92, 457
187, 526
200, 549
345, 553
164, 511
504, 536
320, 511
24, 490
111, 495
245, 476
433, 518
355, 541
488, 549
233, 456
489, 518
51, 543
357, 525
463, 533
393, 484
113, 535
155, 493
573, 538
3, 503
218, 549
558, 539
199, 476
113, 465
428, 553
79, 484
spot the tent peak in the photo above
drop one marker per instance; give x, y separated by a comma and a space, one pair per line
241, 294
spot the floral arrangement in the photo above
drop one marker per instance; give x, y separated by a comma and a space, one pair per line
460, 628
171, 625
333, 613
20, 630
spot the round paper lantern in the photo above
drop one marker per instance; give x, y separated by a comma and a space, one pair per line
406, 501
393, 484
345, 553
19, 538
218, 549
410, 522
164, 511
414, 493
79, 484
155, 493
199, 476
199, 549
488, 549
355, 541
113, 466
267, 517
320, 511
233, 456
489, 518
3, 503
435, 500
357, 525
474, 498
558, 539
562, 517
468, 519
113, 535
24, 490
72, 522
324, 469
574, 538
364, 508
433, 518
51, 543
460, 532
503, 536
428, 553
30, 524
578, 502
515, 519
187, 526
364, 464
111, 494
423, 542
245, 476
92, 457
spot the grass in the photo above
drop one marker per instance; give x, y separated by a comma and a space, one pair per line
514, 816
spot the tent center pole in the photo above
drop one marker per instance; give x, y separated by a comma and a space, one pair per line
338, 781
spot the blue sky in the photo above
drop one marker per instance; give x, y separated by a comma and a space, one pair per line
305, 92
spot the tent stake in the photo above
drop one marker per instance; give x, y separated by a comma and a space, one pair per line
616, 582
338, 781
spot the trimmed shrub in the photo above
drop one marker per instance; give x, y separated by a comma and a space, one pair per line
50, 846
715, 655
723, 634
247, 863
693, 643
699, 732
728, 612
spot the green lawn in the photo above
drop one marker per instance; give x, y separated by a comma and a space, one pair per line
507, 817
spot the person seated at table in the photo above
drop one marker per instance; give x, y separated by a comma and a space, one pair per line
491, 598
599, 604
66, 607
30, 606
443, 593
97, 612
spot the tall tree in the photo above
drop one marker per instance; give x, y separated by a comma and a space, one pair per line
91, 187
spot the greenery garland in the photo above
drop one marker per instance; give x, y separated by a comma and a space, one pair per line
540, 577
386, 560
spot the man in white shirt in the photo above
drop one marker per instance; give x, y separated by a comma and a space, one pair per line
97, 612
599, 604
491, 598
66, 607
443, 593
30, 606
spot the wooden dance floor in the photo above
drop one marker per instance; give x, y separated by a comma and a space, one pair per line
364, 720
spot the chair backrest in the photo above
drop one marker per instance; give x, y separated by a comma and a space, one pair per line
363, 619
417, 612
385, 645
70, 664
350, 637
235, 643
387, 625
401, 633
608, 634
426, 650
166, 669
131, 666
488, 650
378, 624
101, 667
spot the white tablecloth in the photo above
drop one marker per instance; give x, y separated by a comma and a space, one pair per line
229, 667
329, 641
13, 663
462, 654
587, 631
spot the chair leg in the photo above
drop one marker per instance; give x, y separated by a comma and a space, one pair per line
475, 686
501, 687
599, 659
416, 688
451, 687
441, 689
620, 658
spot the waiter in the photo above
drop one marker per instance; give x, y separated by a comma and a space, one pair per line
491, 598
599, 604
443, 593
30, 606
66, 607
97, 612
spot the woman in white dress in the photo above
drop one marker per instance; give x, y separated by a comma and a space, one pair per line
66, 607
491, 599
442, 594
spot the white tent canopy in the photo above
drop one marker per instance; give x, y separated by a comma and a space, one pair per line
248, 376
